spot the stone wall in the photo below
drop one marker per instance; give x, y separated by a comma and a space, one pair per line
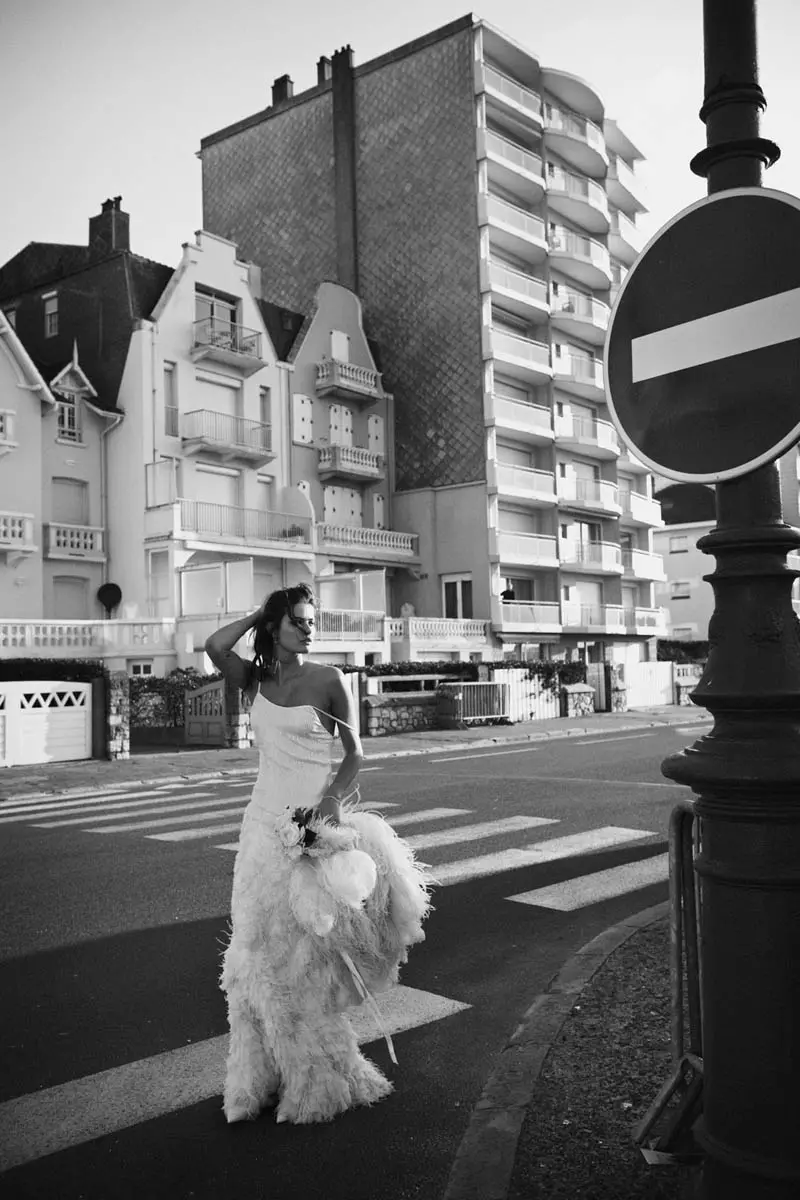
399, 712
118, 716
238, 731
577, 700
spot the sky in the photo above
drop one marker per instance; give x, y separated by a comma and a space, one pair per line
102, 98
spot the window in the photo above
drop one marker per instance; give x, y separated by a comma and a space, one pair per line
69, 424
171, 427
680, 589
457, 597
6, 426
50, 314
265, 406
679, 545
143, 667
218, 311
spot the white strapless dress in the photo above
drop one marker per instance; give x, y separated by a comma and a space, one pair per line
302, 949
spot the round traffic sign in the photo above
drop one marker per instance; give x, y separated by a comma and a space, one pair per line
702, 351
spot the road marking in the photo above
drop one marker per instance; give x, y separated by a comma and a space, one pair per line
163, 822
189, 835
635, 783
475, 833
70, 1114
89, 805
538, 852
737, 330
427, 814
624, 737
90, 816
478, 754
602, 885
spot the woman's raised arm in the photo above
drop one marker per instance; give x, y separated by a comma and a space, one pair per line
219, 648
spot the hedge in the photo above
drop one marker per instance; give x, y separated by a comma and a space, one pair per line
68, 670
681, 652
158, 702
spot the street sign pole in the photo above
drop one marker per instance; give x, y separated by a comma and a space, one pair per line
746, 772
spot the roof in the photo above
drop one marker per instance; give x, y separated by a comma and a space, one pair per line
282, 325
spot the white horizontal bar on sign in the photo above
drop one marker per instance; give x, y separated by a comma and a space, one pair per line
475, 833
737, 330
602, 885
539, 852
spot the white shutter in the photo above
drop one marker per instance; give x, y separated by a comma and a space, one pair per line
354, 508
302, 419
335, 427
340, 346
331, 505
239, 591
379, 509
375, 437
216, 397
217, 486
347, 427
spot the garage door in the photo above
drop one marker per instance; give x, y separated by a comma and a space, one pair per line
45, 721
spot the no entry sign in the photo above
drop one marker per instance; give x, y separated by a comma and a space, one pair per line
703, 346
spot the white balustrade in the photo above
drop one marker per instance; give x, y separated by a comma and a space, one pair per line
338, 624
374, 539
352, 458
334, 373
16, 530
31, 638
74, 541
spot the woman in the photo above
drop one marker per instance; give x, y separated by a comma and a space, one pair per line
306, 931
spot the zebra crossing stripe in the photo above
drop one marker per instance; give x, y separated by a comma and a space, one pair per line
475, 833
54, 807
538, 852
576, 893
186, 835
90, 816
230, 806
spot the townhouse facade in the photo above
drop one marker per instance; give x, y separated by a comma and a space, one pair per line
484, 209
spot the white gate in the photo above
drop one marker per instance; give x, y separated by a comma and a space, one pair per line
649, 684
204, 715
528, 699
45, 721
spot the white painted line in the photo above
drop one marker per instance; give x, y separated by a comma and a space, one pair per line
163, 822
427, 814
602, 885
688, 730
71, 1114
363, 769
476, 833
481, 754
611, 740
193, 835
634, 783
90, 816
737, 330
53, 807
539, 852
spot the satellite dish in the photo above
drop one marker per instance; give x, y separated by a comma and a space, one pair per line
109, 595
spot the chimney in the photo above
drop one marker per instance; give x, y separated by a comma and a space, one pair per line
282, 89
323, 70
344, 166
110, 230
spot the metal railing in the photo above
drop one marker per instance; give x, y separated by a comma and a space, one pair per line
341, 624
374, 539
74, 541
226, 430
476, 701
508, 87
513, 153
229, 521
531, 613
220, 334
518, 346
509, 214
592, 616
517, 281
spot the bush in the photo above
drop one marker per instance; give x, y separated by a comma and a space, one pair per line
158, 703
70, 670
681, 652
555, 675
460, 669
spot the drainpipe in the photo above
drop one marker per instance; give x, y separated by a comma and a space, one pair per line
104, 504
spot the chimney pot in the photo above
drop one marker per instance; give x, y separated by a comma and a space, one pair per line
282, 89
323, 69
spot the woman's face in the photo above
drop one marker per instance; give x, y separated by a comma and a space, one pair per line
297, 630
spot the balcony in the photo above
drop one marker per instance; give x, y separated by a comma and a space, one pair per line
86, 639
625, 241
7, 430
592, 618
230, 437
572, 93
578, 199
355, 542
513, 230
523, 484
596, 558
515, 290
217, 340
346, 381
597, 439
623, 188
579, 375
638, 509
17, 535
349, 625
446, 633
212, 526
641, 564
522, 357
85, 542
532, 423
350, 462
580, 315
618, 273
596, 494
630, 463
577, 140
581, 258
511, 167
513, 97
537, 616
649, 621
523, 549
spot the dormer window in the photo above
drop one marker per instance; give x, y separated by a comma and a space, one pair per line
50, 314
69, 425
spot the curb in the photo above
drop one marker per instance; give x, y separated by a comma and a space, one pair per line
484, 1162
437, 748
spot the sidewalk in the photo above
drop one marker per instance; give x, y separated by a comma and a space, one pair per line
170, 766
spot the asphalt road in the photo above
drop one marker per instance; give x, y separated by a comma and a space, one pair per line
116, 912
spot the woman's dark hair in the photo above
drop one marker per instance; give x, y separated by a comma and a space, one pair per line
279, 604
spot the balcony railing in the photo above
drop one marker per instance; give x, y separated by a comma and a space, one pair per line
439, 629
223, 521
596, 493
379, 540
562, 121
623, 227
77, 639
653, 619
579, 369
578, 304
349, 625
579, 186
511, 90
223, 429
508, 214
529, 480
75, 541
518, 413
531, 548
566, 241
592, 616
641, 508
511, 280
349, 379
352, 461
219, 334
512, 153
605, 556
531, 613
515, 345
581, 429
621, 173
643, 565
16, 531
